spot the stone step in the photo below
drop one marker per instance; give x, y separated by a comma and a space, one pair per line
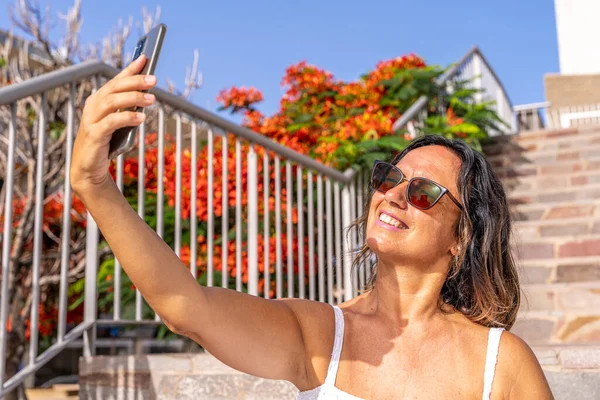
561, 299
541, 328
555, 134
515, 145
197, 376
537, 183
527, 249
552, 195
572, 227
573, 270
546, 157
573, 372
557, 210
559, 313
567, 167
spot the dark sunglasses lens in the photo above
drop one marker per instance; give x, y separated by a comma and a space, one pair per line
385, 177
422, 193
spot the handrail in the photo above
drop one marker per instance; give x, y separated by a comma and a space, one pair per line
65, 76
448, 75
531, 106
48, 81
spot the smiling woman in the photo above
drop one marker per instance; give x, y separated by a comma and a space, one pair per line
438, 224
482, 281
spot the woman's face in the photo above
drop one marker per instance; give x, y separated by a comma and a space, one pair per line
424, 237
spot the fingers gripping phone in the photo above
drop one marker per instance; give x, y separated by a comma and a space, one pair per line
124, 139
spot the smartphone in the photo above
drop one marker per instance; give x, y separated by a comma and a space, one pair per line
124, 139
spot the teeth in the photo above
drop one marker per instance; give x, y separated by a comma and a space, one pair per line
389, 220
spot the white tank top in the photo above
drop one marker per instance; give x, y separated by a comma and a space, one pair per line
328, 391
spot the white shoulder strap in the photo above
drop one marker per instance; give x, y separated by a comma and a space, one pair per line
490, 361
337, 347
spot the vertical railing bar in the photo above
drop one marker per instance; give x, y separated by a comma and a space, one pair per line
238, 215
266, 225
252, 233
90, 310
117, 269
210, 237
141, 184
358, 202
366, 186
320, 239
90, 292
159, 198
225, 213
300, 227
354, 236
349, 285
37, 232
311, 236
360, 208
65, 239
278, 249
290, 234
329, 222
178, 144
193, 205
338, 241
7, 236
141, 200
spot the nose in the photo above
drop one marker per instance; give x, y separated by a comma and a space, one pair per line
396, 196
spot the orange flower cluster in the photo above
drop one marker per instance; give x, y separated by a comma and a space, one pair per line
318, 114
130, 168
240, 97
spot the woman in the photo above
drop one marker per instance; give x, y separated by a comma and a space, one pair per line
444, 277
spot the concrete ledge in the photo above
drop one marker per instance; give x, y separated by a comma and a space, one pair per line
173, 376
572, 371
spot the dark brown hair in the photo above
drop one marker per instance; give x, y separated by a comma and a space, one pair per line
483, 284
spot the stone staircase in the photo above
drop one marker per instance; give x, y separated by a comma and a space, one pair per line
553, 182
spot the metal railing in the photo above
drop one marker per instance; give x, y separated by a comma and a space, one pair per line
531, 117
311, 258
537, 116
474, 69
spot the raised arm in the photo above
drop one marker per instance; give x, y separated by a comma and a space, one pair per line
254, 335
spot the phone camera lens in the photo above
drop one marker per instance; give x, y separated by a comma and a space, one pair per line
138, 49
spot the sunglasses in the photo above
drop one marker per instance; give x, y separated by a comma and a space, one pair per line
421, 193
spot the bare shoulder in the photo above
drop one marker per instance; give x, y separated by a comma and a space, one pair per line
312, 316
518, 372
317, 322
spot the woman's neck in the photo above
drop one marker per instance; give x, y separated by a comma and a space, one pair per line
405, 295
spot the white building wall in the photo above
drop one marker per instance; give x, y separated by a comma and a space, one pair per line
578, 30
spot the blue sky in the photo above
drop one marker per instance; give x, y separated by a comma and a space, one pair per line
252, 42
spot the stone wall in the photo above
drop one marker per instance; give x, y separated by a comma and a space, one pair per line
552, 179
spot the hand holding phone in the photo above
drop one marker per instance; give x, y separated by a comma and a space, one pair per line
124, 139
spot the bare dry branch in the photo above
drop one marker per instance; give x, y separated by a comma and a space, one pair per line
69, 45
149, 21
